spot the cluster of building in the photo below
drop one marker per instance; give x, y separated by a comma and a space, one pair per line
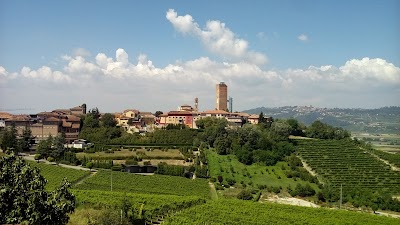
69, 121
45, 124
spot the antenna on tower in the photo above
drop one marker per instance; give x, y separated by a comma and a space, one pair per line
196, 104
230, 100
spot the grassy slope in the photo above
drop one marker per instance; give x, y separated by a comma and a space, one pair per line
257, 174
246, 212
55, 174
155, 184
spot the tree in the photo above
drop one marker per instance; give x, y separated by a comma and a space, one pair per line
9, 139
26, 140
38, 157
24, 198
44, 146
108, 120
158, 113
91, 121
59, 148
90, 165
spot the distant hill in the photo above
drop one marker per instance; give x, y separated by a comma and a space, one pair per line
382, 120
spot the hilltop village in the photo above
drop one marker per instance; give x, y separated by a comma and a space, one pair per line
69, 121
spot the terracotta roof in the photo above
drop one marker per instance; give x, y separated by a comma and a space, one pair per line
242, 114
134, 110
51, 119
18, 118
180, 113
48, 114
76, 108
215, 112
62, 110
163, 115
73, 118
66, 124
5, 115
254, 116
146, 113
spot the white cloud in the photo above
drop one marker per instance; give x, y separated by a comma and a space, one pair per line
81, 52
116, 79
217, 38
303, 37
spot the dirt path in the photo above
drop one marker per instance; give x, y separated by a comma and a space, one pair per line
214, 194
291, 201
309, 169
80, 181
393, 167
31, 158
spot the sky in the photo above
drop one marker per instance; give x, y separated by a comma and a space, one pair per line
157, 55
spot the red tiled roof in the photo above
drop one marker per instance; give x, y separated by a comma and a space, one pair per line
215, 112
134, 110
73, 118
51, 119
254, 116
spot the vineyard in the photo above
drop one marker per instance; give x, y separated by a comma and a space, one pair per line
229, 167
343, 163
55, 174
152, 206
154, 184
246, 212
390, 157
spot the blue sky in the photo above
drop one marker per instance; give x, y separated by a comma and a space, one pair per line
271, 53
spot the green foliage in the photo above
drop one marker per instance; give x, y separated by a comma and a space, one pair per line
324, 131
108, 120
9, 139
172, 170
23, 198
253, 213
245, 195
155, 184
55, 174
134, 205
302, 191
26, 139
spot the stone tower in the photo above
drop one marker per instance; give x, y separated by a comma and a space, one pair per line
222, 97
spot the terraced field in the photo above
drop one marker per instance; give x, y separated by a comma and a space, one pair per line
342, 162
154, 184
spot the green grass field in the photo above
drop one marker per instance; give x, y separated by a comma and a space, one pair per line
254, 213
54, 174
154, 184
228, 166
126, 154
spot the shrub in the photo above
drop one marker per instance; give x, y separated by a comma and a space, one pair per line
245, 195
50, 159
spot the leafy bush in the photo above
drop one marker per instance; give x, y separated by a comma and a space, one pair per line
245, 195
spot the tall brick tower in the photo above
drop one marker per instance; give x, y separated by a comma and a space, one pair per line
222, 96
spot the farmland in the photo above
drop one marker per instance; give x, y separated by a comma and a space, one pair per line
156, 184
129, 154
344, 163
152, 205
246, 212
229, 167
55, 174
